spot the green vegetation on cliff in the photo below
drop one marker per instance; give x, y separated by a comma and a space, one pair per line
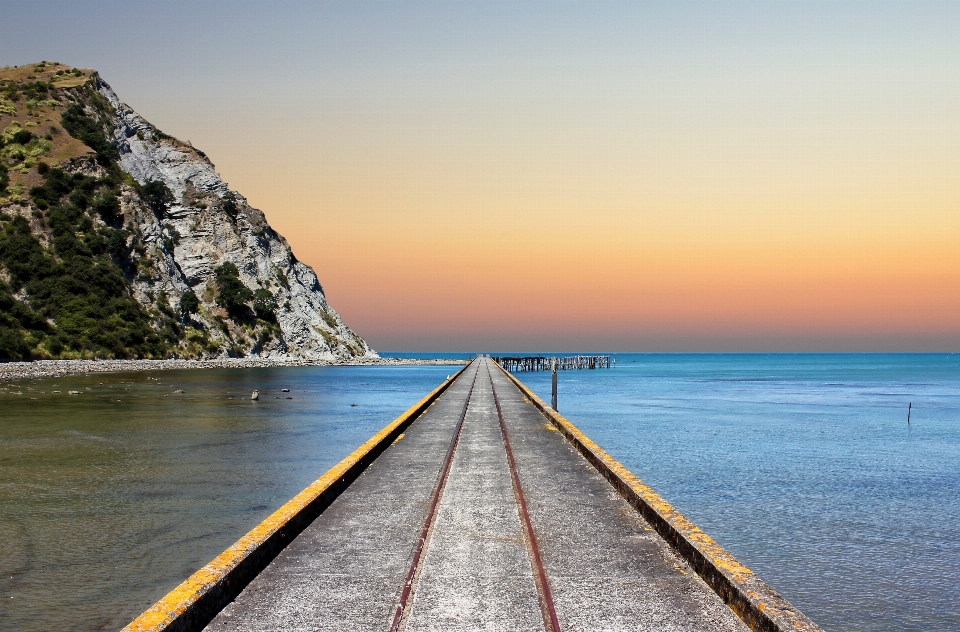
70, 298
64, 290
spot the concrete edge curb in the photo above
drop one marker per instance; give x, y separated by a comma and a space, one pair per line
195, 602
758, 605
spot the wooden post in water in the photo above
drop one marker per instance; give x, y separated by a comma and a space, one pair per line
553, 379
909, 406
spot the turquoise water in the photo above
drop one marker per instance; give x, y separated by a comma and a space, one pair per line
110, 498
803, 466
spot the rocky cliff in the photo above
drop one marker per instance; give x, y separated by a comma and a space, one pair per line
209, 275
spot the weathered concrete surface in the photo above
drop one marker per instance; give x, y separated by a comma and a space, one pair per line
477, 574
607, 569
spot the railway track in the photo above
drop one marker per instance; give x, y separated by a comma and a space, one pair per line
406, 593
545, 597
544, 593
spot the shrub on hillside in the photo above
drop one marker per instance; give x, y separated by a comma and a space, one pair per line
56, 184
265, 305
21, 137
37, 90
13, 344
15, 319
157, 196
108, 207
230, 205
189, 303
232, 294
86, 130
117, 246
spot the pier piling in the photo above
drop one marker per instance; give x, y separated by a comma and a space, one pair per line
553, 380
517, 364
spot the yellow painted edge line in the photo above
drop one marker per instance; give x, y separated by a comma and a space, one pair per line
716, 555
176, 602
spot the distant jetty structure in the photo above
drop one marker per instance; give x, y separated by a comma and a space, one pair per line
516, 364
479, 508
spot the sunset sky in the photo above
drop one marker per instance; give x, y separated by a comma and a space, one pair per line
712, 176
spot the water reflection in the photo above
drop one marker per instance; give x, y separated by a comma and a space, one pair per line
112, 496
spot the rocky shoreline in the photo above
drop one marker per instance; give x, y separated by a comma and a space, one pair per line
61, 368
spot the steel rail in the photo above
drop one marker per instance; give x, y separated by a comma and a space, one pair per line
539, 573
403, 604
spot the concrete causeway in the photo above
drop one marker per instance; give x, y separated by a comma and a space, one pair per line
605, 567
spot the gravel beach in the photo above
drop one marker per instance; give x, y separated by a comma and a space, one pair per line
60, 368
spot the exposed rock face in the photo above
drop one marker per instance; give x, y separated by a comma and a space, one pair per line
207, 225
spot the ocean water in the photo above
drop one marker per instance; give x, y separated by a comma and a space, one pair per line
110, 498
802, 466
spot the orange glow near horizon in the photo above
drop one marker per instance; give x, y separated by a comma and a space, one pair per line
839, 247
612, 280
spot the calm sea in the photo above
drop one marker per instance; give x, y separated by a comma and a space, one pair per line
803, 466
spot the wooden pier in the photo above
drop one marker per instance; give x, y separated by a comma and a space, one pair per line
516, 364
